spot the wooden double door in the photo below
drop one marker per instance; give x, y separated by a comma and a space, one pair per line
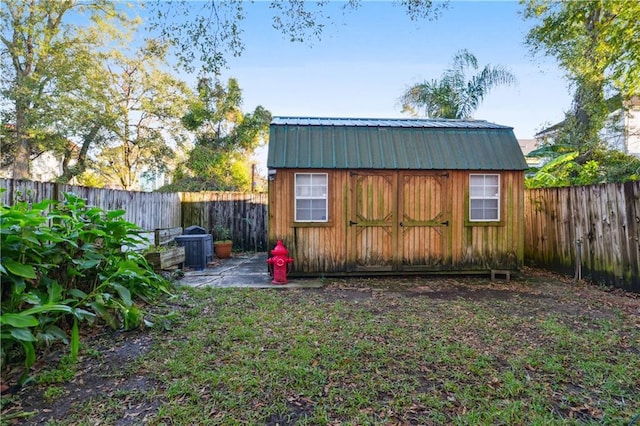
398, 220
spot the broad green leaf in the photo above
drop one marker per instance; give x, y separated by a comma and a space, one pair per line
55, 292
48, 308
19, 269
104, 313
52, 333
132, 318
42, 205
93, 211
30, 358
115, 213
75, 340
83, 314
76, 292
20, 320
86, 263
32, 298
124, 293
129, 266
22, 334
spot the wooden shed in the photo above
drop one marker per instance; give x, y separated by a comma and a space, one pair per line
358, 196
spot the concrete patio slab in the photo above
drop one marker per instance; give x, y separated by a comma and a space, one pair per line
241, 270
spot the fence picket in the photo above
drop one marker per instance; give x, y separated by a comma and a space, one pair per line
605, 218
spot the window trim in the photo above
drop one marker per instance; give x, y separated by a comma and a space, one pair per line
296, 198
498, 197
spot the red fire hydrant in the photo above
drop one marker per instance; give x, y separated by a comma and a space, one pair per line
279, 263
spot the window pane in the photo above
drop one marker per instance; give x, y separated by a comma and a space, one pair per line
318, 215
477, 211
476, 180
303, 204
484, 210
491, 191
303, 214
303, 210
492, 180
491, 214
303, 179
303, 191
311, 192
491, 209
306, 211
319, 191
476, 186
318, 210
476, 191
491, 204
319, 179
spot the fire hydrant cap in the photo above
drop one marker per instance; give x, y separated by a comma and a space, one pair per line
280, 249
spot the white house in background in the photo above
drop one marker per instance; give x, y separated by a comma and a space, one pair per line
626, 136
622, 131
46, 167
528, 145
150, 180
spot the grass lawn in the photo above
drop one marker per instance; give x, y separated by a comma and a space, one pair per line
540, 350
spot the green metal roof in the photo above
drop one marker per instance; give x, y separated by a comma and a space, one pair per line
408, 144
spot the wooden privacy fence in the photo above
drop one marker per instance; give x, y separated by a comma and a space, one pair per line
592, 231
594, 227
244, 214
148, 210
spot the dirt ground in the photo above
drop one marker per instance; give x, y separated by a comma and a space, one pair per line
99, 376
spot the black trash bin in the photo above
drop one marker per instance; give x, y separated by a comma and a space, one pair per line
194, 230
198, 247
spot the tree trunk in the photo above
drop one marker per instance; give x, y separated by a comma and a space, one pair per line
23, 147
69, 173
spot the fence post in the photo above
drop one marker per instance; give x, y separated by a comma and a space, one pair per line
578, 275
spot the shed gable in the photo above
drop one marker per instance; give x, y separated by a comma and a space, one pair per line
396, 144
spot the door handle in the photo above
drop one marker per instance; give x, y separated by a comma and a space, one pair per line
351, 223
445, 223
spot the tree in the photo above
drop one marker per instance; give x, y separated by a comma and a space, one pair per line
596, 43
146, 105
595, 40
45, 57
225, 139
456, 94
206, 33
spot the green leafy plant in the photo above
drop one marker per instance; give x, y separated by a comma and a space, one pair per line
65, 263
222, 234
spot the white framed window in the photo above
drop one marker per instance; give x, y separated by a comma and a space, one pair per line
484, 198
312, 194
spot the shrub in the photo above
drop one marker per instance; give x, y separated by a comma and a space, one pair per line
63, 263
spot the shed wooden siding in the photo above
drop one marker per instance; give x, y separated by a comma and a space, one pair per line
421, 199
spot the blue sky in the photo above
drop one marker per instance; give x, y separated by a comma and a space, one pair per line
367, 59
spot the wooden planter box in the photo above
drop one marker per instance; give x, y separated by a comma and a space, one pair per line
167, 258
